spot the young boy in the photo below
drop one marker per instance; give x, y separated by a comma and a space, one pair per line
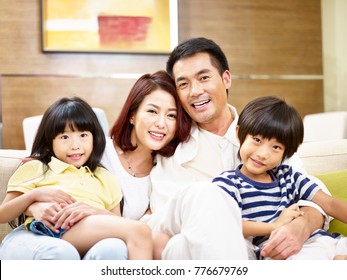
266, 189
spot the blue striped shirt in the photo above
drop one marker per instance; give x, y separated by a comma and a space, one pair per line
264, 202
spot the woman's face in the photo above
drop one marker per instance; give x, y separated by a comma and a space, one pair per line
154, 121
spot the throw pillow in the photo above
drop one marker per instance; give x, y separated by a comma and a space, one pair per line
336, 182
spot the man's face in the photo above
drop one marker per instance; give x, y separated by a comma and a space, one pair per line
200, 87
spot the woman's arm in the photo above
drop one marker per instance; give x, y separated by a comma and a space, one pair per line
73, 213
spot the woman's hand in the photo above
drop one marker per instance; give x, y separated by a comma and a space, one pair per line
45, 212
70, 214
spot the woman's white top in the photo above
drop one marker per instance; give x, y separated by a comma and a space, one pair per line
136, 190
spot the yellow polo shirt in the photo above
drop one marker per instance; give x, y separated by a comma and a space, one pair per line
100, 189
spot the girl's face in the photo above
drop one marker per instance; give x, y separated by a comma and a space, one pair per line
259, 154
154, 121
73, 147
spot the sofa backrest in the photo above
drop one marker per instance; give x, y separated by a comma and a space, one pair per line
323, 156
9, 162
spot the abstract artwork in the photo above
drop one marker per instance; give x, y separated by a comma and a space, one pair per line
131, 26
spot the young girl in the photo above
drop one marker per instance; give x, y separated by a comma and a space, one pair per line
66, 171
266, 189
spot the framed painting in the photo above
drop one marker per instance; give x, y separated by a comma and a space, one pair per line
131, 26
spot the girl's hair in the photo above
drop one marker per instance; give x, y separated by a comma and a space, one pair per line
78, 115
145, 85
272, 117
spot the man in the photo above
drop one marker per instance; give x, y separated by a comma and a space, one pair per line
184, 206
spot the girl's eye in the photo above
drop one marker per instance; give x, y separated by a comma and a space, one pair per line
84, 135
64, 137
172, 116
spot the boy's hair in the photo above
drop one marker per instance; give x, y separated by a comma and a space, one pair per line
79, 115
198, 45
145, 85
272, 117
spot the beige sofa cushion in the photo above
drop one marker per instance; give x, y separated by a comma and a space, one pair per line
9, 162
323, 156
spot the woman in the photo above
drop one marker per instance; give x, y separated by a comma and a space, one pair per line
146, 126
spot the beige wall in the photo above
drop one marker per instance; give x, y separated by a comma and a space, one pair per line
273, 47
334, 23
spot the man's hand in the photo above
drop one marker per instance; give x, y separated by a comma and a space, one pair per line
288, 239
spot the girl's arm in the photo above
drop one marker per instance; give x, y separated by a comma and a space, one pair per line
331, 205
16, 203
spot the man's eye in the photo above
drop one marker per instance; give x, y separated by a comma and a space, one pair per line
182, 85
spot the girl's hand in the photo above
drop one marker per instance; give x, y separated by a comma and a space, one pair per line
50, 194
45, 212
72, 213
287, 215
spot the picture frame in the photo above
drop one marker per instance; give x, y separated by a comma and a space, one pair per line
109, 26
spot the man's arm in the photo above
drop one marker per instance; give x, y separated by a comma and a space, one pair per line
288, 240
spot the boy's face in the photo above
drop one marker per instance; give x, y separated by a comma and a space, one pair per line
201, 89
259, 154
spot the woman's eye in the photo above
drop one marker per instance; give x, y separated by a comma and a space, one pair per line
151, 111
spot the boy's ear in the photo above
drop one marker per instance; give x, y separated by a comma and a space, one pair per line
237, 132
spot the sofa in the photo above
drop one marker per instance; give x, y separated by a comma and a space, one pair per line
327, 160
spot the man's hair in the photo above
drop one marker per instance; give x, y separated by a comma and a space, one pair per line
198, 45
272, 117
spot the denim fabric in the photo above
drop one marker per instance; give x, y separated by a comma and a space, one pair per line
40, 228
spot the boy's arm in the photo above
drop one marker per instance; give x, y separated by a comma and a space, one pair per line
252, 228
